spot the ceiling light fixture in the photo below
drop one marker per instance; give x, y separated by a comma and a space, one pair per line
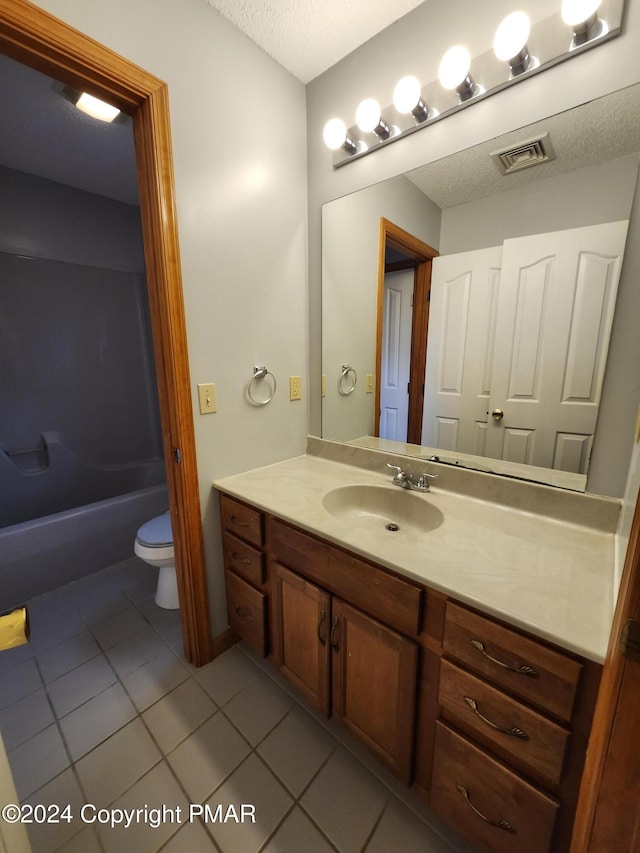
521, 49
510, 42
97, 108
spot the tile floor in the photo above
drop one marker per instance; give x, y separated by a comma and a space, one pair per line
101, 708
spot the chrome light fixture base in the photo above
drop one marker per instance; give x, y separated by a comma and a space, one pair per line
550, 42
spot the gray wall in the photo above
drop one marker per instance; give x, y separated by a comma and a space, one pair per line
75, 343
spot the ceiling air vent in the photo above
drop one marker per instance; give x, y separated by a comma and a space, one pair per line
531, 152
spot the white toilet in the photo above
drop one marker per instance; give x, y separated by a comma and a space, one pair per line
154, 545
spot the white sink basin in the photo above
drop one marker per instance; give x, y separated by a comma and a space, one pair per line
377, 507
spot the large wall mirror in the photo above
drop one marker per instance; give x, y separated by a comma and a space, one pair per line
469, 313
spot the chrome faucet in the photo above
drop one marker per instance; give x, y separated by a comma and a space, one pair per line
415, 482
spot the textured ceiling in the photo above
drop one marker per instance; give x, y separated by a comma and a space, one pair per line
595, 132
309, 36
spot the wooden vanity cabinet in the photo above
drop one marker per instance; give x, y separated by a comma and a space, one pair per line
505, 731
245, 572
489, 724
347, 663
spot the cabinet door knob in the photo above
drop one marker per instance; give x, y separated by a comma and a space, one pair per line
334, 628
520, 670
500, 824
244, 613
323, 615
514, 731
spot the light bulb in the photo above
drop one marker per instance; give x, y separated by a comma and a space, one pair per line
511, 37
406, 94
96, 108
454, 67
576, 12
368, 115
334, 133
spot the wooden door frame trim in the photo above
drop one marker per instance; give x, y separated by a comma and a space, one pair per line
423, 255
37, 39
609, 696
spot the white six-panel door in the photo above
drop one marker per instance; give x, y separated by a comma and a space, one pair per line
462, 314
554, 301
396, 354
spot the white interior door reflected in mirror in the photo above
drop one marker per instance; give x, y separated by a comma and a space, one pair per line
396, 354
553, 317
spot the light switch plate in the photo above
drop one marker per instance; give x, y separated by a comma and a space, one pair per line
324, 385
637, 430
368, 383
207, 397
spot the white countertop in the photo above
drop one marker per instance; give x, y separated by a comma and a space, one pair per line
551, 578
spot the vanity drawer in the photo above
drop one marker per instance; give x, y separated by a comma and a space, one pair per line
247, 612
242, 520
393, 600
476, 793
524, 667
520, 736
243, 559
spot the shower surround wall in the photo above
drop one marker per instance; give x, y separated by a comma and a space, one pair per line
79, 416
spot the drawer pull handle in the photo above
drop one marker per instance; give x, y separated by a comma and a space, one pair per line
514, 731
244, 613
500, 824
334, 628
323, 615
520, 670
240, 523
238, 559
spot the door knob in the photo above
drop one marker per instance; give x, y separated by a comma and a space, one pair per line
497, 414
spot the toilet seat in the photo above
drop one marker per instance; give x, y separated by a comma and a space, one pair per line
156, 533
154, 540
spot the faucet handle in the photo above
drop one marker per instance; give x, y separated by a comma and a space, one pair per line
422, 479
399, 478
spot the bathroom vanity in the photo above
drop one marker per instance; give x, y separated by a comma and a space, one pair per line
464, 649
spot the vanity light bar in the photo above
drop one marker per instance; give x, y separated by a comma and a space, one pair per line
545, 44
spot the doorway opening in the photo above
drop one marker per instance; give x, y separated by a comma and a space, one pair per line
37, 39
399, 250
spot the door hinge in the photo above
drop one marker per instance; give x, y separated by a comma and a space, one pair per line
177, 455
630, 640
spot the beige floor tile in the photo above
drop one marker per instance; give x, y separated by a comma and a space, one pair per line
252, 784
345, 800
296, 749
205, 759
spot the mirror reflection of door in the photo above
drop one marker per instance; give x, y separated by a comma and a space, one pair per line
396, 354
404, 282
539, 365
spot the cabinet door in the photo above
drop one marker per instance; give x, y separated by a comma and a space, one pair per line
302, 622
374, 685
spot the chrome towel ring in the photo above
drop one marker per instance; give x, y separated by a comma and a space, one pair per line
347, 381
260, 372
